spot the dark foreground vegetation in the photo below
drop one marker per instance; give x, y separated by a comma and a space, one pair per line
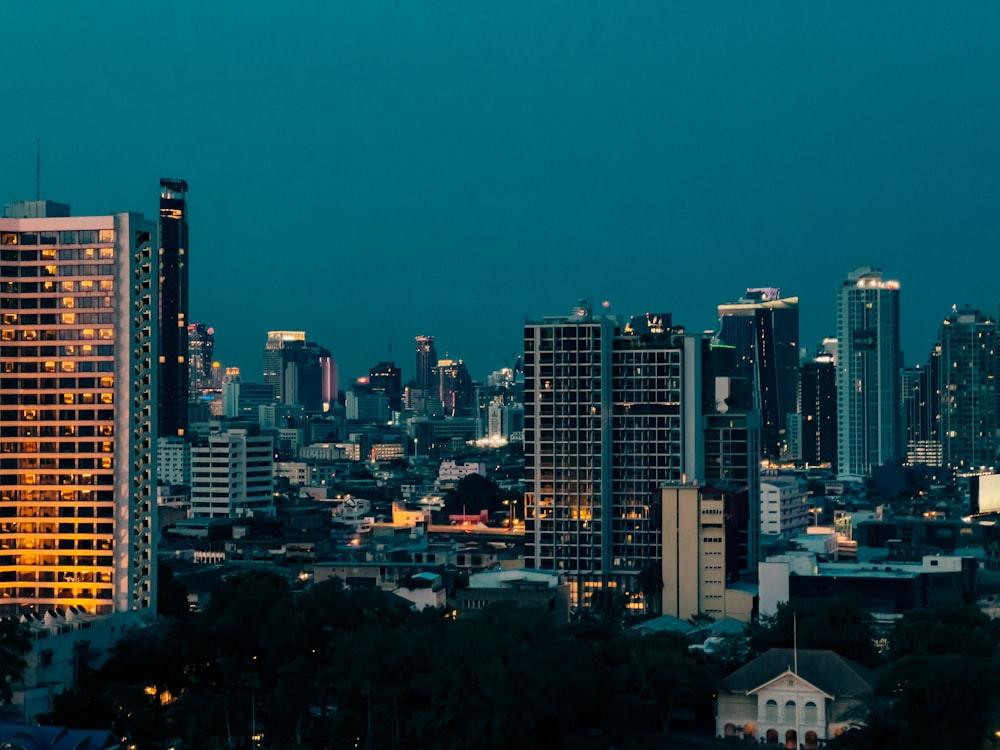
267, 667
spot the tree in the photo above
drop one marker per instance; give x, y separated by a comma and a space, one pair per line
838, 624
15, 643
474, 493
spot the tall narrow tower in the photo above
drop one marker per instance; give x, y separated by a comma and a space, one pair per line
868, 373
172, 392
77, 473
425, 363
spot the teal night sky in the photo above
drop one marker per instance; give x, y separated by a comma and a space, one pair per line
370, 171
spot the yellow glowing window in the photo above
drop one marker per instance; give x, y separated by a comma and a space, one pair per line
7, 335
48, 286
107, 252
49, 254
107, 398
49, 367
88, 349
106, 462
107, 285
50, 270
86, 286
68, 302
107, 381
10, 318
106, 430
69, 318
107, 235
106, 334
30, 414
67, 286
87, 333
69, 366
30, 479
69, 351
107, 447
88, 254
30, 335
68, 398
87, 398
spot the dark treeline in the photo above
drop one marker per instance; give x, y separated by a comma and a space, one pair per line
335, 668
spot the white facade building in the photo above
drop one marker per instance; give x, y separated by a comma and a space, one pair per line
173, 461
784, 510
232, 476
869, 361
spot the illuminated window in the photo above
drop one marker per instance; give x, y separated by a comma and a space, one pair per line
7, 335
49, 367
88, 253
106, 334
69, 366
107, 285
8, 238
107, 252
107, 381
68, 398
30, 335
68, 302
10, 318
49, 270
107, 235
107, 398
67, 286
69, 318
49, 254
87, 333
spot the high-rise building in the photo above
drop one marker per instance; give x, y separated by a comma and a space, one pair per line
172, 386
611, 412
453, 387
868, 366
920, 391
78, 345
301, 372
388, 379
426, 359
968, 372
763, 328
818, 411
201, 365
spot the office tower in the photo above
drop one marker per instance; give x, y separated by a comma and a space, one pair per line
763, 328
611, 412
969, 391
173, 461
388, 379
301, 372
426, 359
453, 387
201, 365
818, 411
868, 366
232, 476
921, 411
172, 386
78, 368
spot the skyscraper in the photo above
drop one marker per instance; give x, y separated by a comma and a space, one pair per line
426, 360
968, 371
172, 387
818, 411
763, 328
78, 416
868, 367
201, 349
611, 412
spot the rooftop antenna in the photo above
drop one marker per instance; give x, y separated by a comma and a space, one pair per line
38, 169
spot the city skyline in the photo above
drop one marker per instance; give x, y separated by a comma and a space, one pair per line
452, 171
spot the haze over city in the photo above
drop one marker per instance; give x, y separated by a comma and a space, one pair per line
370, 172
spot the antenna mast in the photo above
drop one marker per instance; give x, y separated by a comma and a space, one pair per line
38, 169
